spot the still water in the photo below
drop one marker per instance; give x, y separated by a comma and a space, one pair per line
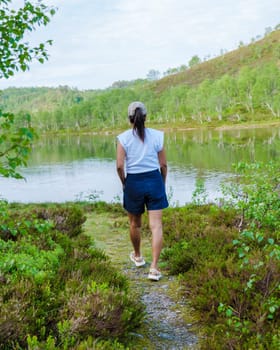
68, 168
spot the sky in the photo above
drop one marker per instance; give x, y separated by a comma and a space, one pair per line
99, 42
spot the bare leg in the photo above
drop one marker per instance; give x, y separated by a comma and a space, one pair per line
155, 221
135, 232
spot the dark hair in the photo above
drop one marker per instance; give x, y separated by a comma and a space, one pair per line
138, 121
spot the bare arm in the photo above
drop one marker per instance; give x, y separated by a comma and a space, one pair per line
120, 162
162, 164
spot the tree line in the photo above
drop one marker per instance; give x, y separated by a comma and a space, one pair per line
251, 95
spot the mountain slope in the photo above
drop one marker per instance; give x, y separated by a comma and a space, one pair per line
240, 86
255, 54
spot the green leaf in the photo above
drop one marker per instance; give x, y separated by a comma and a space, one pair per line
229, 313
272, 309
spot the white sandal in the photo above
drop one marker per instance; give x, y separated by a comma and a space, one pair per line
154, 275
138, 260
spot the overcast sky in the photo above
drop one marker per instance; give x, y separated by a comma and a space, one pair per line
98, 42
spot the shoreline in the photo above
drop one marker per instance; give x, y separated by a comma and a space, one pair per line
165, 128
240, 126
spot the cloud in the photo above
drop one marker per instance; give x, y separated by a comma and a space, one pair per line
98, 42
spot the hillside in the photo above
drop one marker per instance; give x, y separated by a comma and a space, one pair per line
253, 55
240, 86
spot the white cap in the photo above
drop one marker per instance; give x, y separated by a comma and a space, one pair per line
132, 107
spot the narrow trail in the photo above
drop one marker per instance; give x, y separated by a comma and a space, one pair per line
167, 324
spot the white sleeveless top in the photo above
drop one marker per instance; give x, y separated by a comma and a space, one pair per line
141, 157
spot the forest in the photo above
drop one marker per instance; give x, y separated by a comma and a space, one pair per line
241, 86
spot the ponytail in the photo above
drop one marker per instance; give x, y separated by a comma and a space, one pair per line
138, 121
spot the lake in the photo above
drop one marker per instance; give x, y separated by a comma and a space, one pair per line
71, 167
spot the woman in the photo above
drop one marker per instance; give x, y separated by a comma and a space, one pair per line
142, 168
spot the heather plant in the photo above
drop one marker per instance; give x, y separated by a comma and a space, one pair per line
57, 289
228, 257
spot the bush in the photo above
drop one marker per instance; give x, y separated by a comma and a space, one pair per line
57, 290
228, 261
67, 220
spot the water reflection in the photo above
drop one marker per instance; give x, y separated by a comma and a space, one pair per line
66, 168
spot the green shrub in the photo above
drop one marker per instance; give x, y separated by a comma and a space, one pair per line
56, 288
228, 260
67, 219
27, 308
100, 311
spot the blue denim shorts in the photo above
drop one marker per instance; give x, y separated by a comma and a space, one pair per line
144, 190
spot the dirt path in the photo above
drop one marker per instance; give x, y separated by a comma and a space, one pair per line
168, 322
